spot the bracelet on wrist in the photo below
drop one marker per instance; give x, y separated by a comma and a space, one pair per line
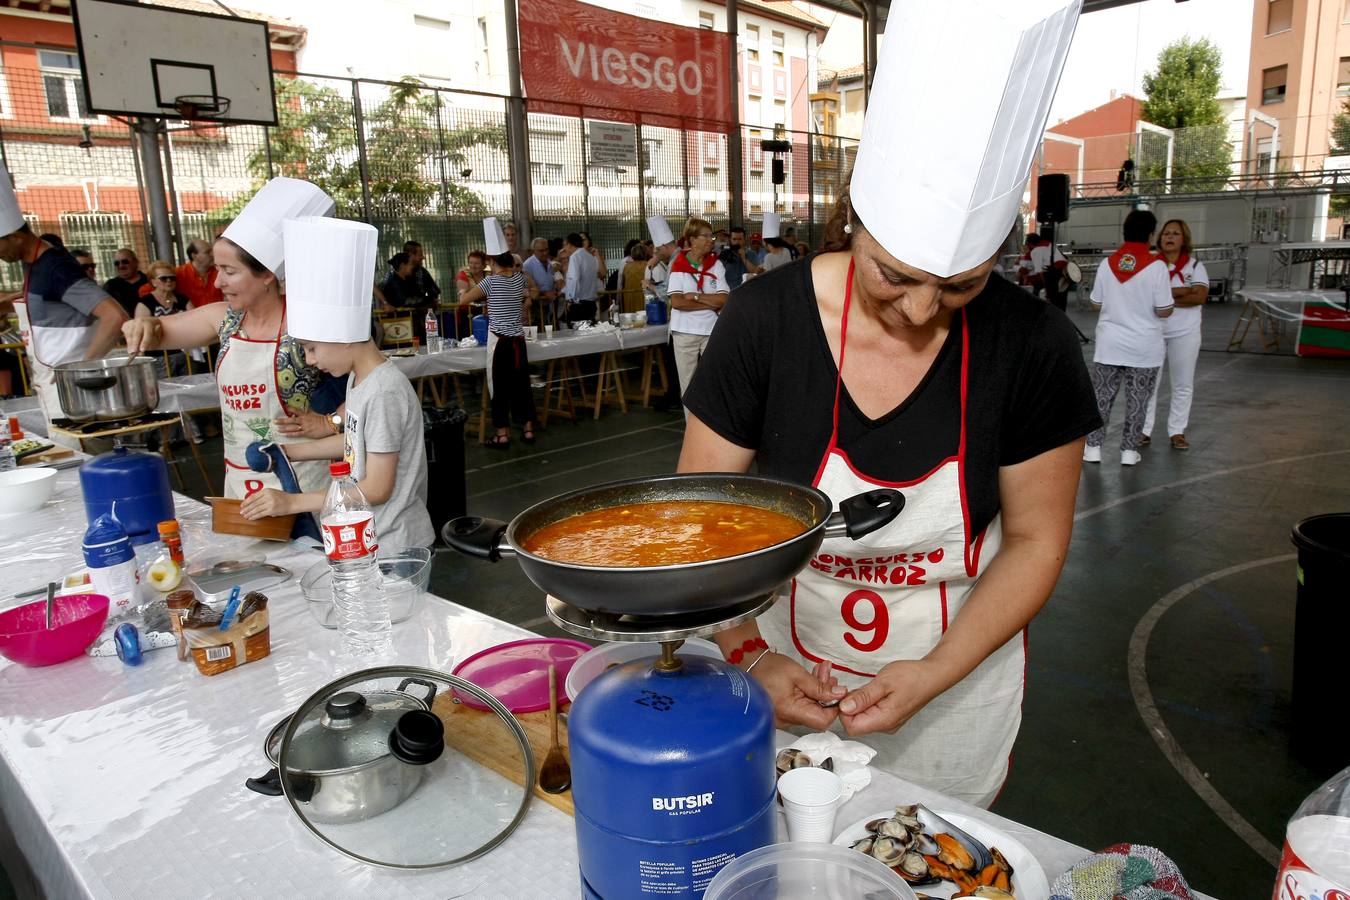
750, 646
763, 653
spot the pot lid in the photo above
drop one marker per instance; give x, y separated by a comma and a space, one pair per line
516, 673
388, 767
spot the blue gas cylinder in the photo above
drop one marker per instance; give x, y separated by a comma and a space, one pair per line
672, 776
656, 311
480, 331
133, 487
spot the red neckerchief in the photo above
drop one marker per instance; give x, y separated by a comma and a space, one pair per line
1130, 259
1182, 260
682, 264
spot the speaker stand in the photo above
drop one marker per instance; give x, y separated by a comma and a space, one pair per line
1053, 250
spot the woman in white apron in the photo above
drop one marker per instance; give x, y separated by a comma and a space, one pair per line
265, 385
896, 359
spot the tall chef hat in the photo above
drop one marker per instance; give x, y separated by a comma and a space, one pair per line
659, 229
330, 271
944, 160
771, 225
258, 228
494, 240
11, 219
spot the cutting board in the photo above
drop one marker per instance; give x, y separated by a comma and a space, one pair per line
482, 737
42, 457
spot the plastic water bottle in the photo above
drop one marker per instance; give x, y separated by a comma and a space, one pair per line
1316, 858
433, 332
7, 460
349, 541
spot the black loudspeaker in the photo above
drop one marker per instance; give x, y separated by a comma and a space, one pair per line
1052, 198
779, 171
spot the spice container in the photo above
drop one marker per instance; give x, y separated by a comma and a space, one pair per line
178, 603
169, 534
245, 639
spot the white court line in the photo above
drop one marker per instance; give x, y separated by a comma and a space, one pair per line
563, 474
534, 457
1157, 729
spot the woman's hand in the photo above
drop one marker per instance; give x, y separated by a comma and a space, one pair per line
142, 334
796, 693
264, 503
306, 424
889, 700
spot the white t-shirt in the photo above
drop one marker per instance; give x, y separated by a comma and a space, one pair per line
1040, 258
1129, 332
698, 321
775, 258
1186, 319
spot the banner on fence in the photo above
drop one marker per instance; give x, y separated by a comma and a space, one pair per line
612, 144
579, 54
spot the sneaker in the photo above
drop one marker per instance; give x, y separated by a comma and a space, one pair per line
1092, 454
1129, 457
1179, 442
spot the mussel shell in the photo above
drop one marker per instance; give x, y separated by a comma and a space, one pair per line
926, 844
785, 759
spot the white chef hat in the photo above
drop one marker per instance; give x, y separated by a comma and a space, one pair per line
659, 229
330, 271
944, 160
494, 240
257, 228
771, 225
11, 218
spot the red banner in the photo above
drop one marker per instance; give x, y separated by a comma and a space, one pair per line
581, 55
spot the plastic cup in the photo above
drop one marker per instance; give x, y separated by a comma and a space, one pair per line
548, 331
810, 799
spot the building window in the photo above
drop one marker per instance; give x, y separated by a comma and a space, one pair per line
706, 20
853, 102
1279, 16
63, 85
5, 111
825, 111
430, 38
483, 66
1343, 78
1273, 84
780, 112
752, 42
778, 44
546, 173
1345, 13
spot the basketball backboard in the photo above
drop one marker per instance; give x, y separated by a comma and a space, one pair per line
142, 60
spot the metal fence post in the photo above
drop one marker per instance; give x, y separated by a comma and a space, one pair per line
641, 181
147, 130
811, 185
442, 158
585, 175
360, 122
173, 194
684, 171
267, 146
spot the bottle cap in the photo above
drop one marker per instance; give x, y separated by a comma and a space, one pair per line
339, 469
169, 526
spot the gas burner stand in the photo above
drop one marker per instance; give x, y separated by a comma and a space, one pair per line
118, 429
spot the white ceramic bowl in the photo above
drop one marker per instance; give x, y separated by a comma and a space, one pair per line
589, 665
24, 490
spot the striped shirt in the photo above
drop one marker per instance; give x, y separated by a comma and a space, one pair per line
505, 303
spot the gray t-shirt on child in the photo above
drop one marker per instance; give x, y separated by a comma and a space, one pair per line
385, 416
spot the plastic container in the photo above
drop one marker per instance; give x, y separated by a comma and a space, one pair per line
607, 656
350, 542
1321, 622
405, 576
112, 564
132, 485
656, 311
1316, 858
7, 460
77, 620
807, 870
25, 490
480, 331
433, 327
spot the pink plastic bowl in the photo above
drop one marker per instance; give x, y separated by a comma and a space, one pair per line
76, 623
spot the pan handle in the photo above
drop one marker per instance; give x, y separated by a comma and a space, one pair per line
473, 536
864, 513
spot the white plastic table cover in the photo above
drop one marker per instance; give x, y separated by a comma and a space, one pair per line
121, 782
1288, 304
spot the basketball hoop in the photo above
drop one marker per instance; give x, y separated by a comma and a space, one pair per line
201, 107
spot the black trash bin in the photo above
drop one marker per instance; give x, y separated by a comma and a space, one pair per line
443, 429
1321, 629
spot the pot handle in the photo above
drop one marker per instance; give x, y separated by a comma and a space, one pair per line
864, 513
418, 738
269, 784
431, 689
473, 536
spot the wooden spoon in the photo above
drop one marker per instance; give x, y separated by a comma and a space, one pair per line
555, 775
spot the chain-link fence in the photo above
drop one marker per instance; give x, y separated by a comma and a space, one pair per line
419, 162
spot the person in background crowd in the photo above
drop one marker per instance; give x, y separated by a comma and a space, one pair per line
125, 286
426, 285
776, 254
1132, 291
512, 396
164, 299
803, 250
1189, 281
735, 261
755, 251
399, 289
601, 268
54, 239
1048, 264
86, 262
581, 281
789, 236
539, 272
631, 280
197, 276
1025, 275
512, 235
474, 271
698, 291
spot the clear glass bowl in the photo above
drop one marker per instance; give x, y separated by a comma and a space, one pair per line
406, 575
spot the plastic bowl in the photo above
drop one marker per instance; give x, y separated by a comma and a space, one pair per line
25, 490
405, 574
806, 870
589, 665
77, 620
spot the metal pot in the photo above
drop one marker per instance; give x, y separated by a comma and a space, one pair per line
360, 757
686, 587
107, 389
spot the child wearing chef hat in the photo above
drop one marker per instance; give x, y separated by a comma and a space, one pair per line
330, 267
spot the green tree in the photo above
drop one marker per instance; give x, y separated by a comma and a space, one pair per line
1182, 95
412, 153
1339, 138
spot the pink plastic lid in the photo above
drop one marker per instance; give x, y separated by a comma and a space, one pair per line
516, 673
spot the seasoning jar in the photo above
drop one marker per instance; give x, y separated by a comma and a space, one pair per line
178, 603
170, 536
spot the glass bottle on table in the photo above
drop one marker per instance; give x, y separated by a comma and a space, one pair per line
433, 327
1316, 857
